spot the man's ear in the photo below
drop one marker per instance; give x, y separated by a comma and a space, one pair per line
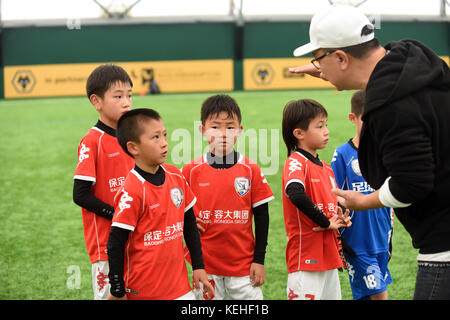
298, 133
352, 117
343, 59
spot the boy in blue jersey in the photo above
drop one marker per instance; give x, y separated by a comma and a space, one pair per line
368, 239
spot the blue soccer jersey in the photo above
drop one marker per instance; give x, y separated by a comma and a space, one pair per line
371, 230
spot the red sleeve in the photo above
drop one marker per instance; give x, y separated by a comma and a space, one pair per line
261, 192
128, 207
293, 171
190, 198
87, 158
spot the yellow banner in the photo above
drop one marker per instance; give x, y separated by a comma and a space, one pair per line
273, 73
70, 79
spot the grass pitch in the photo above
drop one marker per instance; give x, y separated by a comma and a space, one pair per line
42, 251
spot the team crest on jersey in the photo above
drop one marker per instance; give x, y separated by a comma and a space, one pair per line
355, 167
177, 196
242, 185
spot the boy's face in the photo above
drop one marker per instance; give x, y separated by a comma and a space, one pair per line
115, 102
315, 137
221, 131
152, 148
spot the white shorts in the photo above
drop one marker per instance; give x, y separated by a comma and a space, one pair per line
314, 285
233, 288
100, 281
188, 296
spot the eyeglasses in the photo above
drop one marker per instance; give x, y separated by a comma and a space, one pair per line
316, 61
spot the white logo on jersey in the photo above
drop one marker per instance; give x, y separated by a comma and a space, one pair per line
294, 165
177, 196
123, 201
355, 167
83, 154
242, 185
335, 154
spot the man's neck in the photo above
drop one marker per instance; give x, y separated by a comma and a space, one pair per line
365, 67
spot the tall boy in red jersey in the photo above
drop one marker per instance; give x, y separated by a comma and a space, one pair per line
102, 167
153, 212
231, 191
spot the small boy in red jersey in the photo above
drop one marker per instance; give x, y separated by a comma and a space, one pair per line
311, 212
153, 212
231, 191
102, 167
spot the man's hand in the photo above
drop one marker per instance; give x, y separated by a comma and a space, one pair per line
308, 69
354, 200
257, 274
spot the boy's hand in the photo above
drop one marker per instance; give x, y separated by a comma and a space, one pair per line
257, 274
337, 221
111, 297
199, 225
199, 275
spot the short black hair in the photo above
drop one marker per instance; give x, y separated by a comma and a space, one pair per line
299, 114
129, 126
101, 79
357, 102
220, 103
361, 50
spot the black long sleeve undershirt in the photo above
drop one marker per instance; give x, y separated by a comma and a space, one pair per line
82, 189
261, 216
83, 196
296, 193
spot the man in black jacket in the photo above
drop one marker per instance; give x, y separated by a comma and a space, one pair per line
404, 151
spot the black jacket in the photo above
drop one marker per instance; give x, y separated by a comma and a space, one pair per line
406, 135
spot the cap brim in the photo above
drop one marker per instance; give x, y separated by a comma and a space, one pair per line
307, 48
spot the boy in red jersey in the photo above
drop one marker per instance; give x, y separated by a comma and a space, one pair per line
102, 167
153, 212
311, 212
231, 191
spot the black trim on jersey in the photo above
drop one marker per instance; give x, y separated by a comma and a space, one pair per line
296, 193
83, 196
350, 142
310, 157
156, 179
224, 162
100, 125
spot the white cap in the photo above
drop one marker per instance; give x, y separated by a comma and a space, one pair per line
338, 26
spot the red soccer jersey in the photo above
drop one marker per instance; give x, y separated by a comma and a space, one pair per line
154, 267
225, 201
309, 250
102, 161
